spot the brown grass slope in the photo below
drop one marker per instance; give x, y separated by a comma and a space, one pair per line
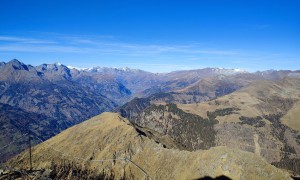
258, 99
265, 119
109, 136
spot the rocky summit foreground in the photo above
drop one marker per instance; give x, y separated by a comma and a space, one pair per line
108, 142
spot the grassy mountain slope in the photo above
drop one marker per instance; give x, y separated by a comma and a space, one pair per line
110, 136
292, 117
258, 99
263, 119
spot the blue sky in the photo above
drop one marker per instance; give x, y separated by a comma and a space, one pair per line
154, 35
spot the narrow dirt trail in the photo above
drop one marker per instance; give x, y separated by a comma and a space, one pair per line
257, 146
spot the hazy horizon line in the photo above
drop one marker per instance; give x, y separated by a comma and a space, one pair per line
124, 67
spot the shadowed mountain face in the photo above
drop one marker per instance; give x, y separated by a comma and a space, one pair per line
56, 100
14, 125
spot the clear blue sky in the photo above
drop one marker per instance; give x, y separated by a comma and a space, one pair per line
154, 35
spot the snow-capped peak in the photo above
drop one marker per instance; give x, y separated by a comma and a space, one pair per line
239, 70
105, 69
58, 64
79, 69
228, 71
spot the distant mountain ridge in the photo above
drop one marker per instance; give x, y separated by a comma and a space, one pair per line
135, 80
128, 69
107, 69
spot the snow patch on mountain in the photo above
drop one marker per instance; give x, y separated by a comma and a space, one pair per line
228, 71
99, 69
79, 69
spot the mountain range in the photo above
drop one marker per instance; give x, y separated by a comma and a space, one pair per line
182, 112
